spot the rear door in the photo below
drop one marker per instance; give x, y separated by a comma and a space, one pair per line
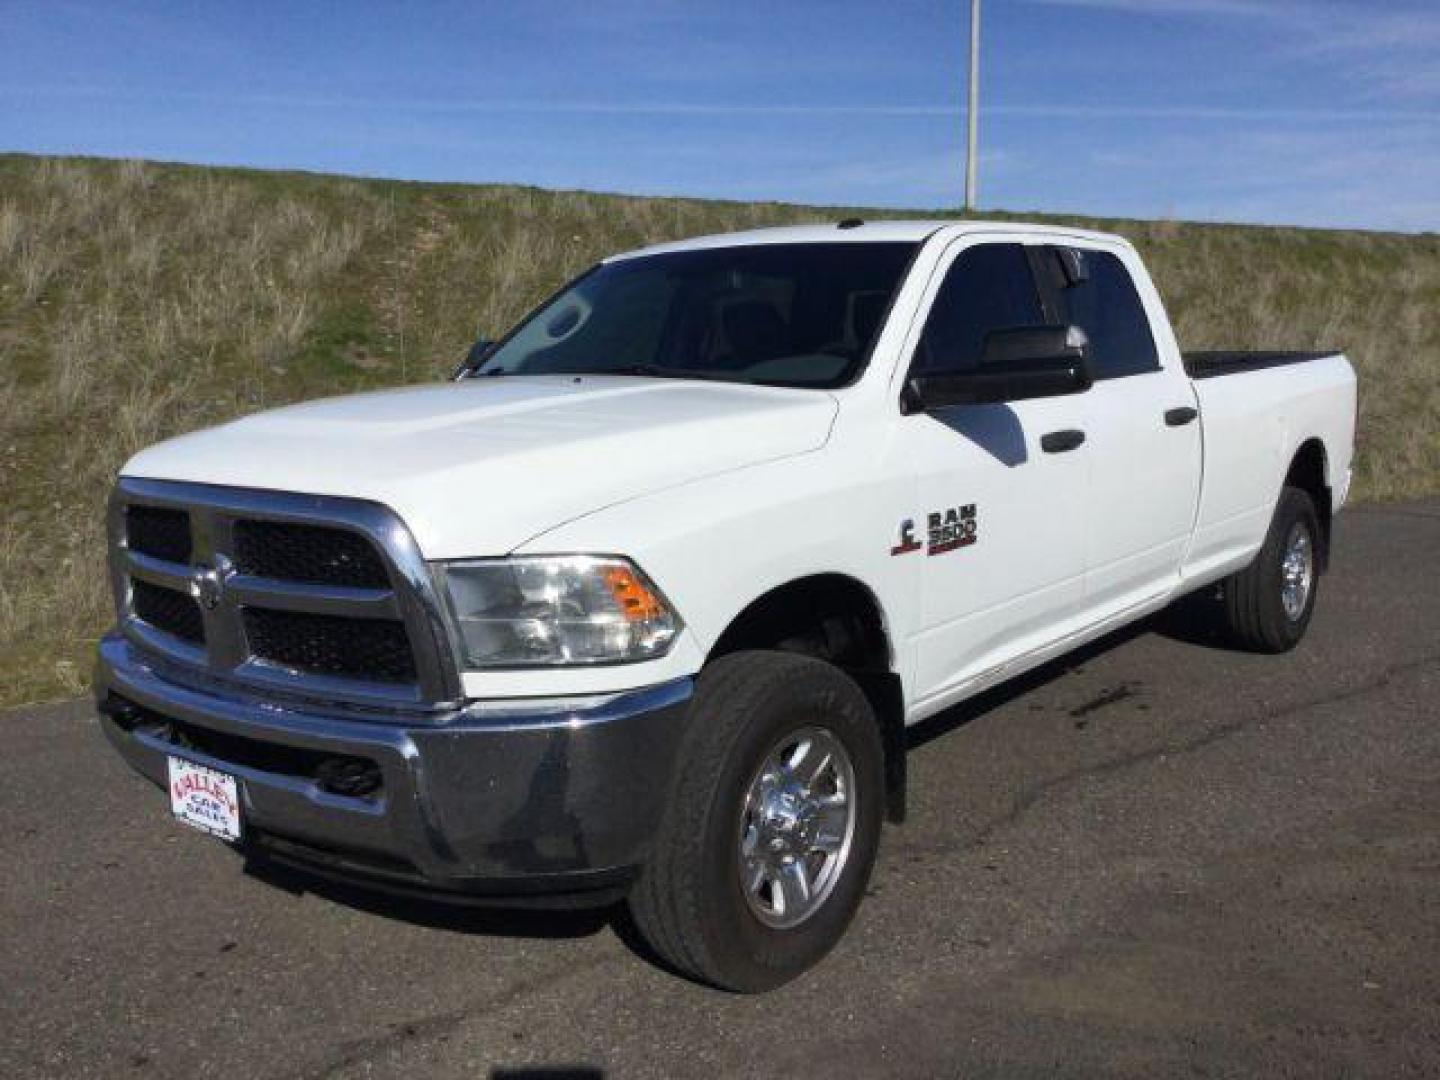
1142, 431
997, 532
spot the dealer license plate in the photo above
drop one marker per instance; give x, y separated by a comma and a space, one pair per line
205, 798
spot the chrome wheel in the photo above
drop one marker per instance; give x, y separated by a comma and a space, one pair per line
1297, 572
796, 827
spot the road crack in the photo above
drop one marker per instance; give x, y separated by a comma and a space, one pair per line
1029, 799
358, 1051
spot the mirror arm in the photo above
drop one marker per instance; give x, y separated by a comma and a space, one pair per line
912, 398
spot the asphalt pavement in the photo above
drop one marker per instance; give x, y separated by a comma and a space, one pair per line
1157, 858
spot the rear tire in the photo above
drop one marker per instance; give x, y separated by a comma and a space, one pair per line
1268, 605
737, 813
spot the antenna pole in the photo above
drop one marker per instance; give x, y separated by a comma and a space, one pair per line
972, 111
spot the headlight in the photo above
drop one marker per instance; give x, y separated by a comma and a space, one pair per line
542, 611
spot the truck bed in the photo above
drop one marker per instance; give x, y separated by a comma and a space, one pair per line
1252, 431
1208, 365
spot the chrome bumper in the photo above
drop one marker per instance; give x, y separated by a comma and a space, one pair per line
559, 800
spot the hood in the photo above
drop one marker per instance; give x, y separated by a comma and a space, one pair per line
480, 466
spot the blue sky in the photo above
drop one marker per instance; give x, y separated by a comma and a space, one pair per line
1311, 112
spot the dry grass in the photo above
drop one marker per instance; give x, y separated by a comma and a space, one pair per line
138, 301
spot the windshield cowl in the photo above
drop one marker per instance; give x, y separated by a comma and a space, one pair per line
647, 371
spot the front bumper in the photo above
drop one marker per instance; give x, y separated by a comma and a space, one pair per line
557, 803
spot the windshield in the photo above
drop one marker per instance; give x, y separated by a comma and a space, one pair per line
802, 315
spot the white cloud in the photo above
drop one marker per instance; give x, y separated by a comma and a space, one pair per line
1380, 177
1059, 110
1172, 7
1392, 52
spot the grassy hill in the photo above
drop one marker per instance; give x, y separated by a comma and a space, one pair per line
140, 300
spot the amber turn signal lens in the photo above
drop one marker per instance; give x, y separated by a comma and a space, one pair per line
637, 603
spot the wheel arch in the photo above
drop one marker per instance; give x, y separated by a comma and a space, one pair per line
838, 618
1309, 471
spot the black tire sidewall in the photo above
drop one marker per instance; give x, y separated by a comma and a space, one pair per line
752, 955
1295, 506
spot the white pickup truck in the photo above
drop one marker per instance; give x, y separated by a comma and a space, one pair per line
641, 604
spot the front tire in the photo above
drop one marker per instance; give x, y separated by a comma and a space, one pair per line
1268, 605
772, 825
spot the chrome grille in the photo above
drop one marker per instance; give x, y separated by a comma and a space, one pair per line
290, 552
164, 534
308, 595
332, 644
168, 611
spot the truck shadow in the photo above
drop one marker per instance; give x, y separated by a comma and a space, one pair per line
1192, 620
485, 921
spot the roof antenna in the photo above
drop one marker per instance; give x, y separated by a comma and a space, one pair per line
851, 223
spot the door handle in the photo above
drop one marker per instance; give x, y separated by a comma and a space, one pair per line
1057, 442
1180, 417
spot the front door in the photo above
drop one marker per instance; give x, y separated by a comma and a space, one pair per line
998, 531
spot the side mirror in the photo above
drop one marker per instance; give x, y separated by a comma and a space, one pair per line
1017, 364
478, 354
